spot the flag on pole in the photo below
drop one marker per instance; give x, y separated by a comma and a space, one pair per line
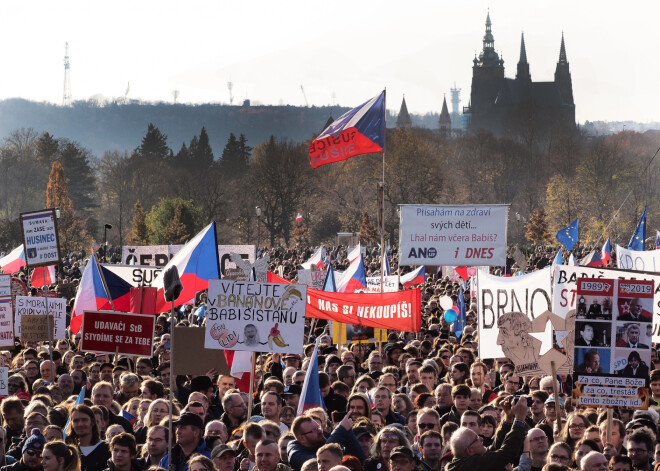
329, 283
572, 261
13, 261
354, 278
354, 253
91, 294
358, 131
37, 278
315, 259
197, 263
388, 268
606, 252
558, 259
299, 217
638, 237
240, 365
79, 400
311, 396
568, 236
592, 260
415, 277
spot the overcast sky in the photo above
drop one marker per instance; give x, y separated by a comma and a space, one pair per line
346, 49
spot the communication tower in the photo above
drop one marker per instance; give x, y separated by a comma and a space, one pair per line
230, 87
66, 99
455, 99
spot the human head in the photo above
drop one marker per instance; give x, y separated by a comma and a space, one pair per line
83, 423
328, 456
387, 439
465, 442
123, 449
640, 447
60, 452
358, 406
223, 457
308, 432
593, 461
402, 459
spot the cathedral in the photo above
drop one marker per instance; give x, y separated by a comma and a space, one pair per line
506, 106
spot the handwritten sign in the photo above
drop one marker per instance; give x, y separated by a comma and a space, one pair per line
33, 306
6, 322
35, 329
118, 332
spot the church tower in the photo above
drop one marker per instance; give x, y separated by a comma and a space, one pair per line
523, 66
563, 76
445, 121
403, 121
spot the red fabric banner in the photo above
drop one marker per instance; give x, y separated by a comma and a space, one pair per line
400, 310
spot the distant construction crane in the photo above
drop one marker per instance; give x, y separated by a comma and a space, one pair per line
230, 87
175, 94
304, 95
66, 99
128, 89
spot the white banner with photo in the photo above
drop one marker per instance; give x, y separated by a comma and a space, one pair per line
565, 288
453, 235
257, 317
496, 296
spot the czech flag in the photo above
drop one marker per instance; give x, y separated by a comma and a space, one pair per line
13, 261
329, 283
315, 259
273, 278
37, 278
91, 295
299, 217
354, 253
240, 365
415, 277
592, 260
358, 131
606, 252
353, 279
311, 392
128, 416
197, 263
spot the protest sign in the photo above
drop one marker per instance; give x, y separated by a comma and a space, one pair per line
118, 332
190, 356
453, 235
40, 242
135, 275
30, 306
160, 255
613, 352
496, 296
5, 285
312, 278
258, 317
35, 329
390, 284
4, 376
399, 311
6, 322
347, 333
640, 260
565, 289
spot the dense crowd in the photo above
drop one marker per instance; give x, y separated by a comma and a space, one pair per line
419, 402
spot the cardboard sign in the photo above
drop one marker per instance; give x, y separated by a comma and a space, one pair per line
256, 317
32, 306
118, 332
6, 322
347, 333
390, 284
190, 356
453, 234
613, 347
312, 278
5, 285
40, 239
35, 329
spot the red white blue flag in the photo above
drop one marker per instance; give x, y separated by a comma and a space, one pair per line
606, 252
311, 392
13, 261
37, 279
197, 263
415, 277
358, 131
354, 278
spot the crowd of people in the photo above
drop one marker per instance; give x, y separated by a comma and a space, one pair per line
419, 402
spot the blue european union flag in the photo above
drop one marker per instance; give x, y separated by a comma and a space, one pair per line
568, 236
639, 236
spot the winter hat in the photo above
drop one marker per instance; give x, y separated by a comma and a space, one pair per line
36, 441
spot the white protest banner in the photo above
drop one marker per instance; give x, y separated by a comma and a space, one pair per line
564, 288
4, 376
257, 317
453, 235
134, 274
390, 284
496, 296
5, 285
314, 278
28, 305
640, 260
6, 322
160, 255
40, 241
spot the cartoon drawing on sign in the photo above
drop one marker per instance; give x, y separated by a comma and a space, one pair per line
514, 338
276, 336
225, 338
260, 265
290, 298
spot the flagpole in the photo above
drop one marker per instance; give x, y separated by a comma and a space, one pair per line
251, 389
50, 334
382, 196
105, 285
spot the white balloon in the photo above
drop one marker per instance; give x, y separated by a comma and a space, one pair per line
446, 302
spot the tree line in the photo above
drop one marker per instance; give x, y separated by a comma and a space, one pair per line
155, 194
